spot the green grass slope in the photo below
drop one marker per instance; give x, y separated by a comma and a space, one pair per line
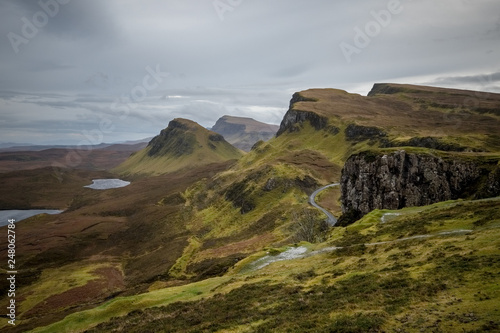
432, 268
106, 243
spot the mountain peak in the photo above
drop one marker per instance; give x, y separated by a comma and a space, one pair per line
184, 123
183, 144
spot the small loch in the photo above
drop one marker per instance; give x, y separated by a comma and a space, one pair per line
106, 184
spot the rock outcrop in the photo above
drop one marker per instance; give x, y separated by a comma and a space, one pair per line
176, 139
400, 179
294, 118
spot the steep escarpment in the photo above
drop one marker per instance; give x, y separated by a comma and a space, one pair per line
355, 132
294, 117
402, 179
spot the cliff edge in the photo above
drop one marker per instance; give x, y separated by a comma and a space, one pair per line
404, 179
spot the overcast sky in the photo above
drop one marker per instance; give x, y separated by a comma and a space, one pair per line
113, 70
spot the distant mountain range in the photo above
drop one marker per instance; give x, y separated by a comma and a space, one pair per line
240, 132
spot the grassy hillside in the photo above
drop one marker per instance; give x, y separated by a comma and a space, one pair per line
410, 111
183, 144
263, 199
185, 251
433, 268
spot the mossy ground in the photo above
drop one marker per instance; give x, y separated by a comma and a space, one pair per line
441, 283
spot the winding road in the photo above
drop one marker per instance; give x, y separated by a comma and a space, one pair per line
331, 220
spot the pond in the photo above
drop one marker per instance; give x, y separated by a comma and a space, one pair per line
106, 184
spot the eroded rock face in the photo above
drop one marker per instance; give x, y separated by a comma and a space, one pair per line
293, 119
401, 179
174, 139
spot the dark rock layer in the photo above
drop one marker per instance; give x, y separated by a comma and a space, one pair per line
374, 181
293, 119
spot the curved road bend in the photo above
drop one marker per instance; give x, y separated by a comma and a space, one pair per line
331, 220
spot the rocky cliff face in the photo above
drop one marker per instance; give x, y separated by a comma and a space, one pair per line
175, 139
370, 181
294, 118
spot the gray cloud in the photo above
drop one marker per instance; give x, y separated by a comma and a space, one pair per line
93, 53
72, 20
482, 82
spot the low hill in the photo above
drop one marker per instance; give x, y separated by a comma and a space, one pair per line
183, 144
242, 132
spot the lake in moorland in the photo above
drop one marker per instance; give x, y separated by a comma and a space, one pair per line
106, 184
20, 215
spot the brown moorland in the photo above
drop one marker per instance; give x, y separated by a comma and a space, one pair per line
138, 230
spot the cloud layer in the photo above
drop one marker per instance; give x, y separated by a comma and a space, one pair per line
69, 65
